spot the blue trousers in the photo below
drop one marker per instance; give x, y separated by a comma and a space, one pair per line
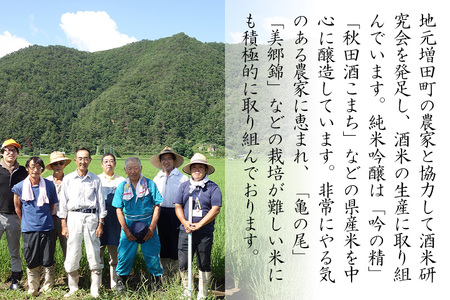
127, 253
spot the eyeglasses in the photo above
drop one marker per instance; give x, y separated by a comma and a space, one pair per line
37, 168
59, 163
12, 150
81, 159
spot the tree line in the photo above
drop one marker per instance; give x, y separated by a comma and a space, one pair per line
136, 98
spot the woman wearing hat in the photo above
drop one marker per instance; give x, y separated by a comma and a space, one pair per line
206, 202
168, 181
57, 163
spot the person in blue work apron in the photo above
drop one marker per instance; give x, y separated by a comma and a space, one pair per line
137, 199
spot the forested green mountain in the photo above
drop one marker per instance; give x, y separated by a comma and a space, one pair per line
136, 98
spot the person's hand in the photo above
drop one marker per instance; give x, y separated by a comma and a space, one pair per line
65, 232
149, 234
99, 230
188, 227
129, 236
196, 226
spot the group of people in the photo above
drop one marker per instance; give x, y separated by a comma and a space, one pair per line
107, 211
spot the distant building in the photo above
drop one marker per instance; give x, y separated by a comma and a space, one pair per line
211, 149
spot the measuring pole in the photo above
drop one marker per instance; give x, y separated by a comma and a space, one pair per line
190, 249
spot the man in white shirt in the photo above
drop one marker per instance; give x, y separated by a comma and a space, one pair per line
82, 212
168, 181
111, 230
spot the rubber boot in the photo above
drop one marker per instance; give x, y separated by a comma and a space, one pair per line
160, 281
113, 275
165, 263
15, 278
170, 266
49, 278
185, 282
72, 279
203, 284
34, 276
174, 263
96, 276
157, 281
121, 283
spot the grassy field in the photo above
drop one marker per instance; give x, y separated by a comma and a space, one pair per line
141, 287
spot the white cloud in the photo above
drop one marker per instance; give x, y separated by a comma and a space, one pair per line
10, 43
93, 31
34, 29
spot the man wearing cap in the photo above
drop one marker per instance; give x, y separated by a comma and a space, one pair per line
111, 230
10, 174
168, 181
137, 200
82, 212
206, 200
57, 163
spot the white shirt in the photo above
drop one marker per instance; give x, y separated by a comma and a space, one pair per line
168, 186
110, 181
81, 192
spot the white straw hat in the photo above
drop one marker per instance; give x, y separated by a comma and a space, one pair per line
56, 156
156, 161
198, 158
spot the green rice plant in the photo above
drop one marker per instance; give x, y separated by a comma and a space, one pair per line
5, 265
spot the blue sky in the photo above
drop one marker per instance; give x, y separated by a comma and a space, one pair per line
93, 25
